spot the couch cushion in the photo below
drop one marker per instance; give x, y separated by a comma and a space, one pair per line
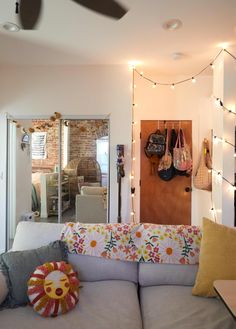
174, 307
102, 305
30, 235
92, 268
159, 274
93, 190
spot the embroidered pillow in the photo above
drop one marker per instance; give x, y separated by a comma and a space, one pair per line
53, 289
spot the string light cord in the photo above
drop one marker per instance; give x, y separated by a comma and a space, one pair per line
223, 140
223, 178
230, 54
132, 188
192, 78
220, 104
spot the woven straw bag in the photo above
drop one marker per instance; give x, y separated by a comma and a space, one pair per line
203, 177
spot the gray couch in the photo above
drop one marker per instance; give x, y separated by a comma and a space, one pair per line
121, 295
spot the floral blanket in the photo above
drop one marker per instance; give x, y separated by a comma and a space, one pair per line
171, 244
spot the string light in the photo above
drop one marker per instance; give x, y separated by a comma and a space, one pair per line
172, 85
220, 177
192, 78
219, 103
132, 175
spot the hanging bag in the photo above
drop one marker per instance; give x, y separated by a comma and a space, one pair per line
165, 168
182, 158
155, 144
203, 177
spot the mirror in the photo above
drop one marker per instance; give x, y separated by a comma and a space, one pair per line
62, 171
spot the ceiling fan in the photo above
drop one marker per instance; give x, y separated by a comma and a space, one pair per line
29, 10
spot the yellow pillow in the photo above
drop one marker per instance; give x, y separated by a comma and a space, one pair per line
217, 260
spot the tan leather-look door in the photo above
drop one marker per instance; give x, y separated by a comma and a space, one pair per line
163, 202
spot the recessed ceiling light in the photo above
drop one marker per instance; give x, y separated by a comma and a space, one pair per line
172, 24
177, 55
11, 27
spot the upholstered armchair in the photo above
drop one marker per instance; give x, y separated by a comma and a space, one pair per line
91, 205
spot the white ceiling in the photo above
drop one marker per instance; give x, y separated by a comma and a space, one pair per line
69, 34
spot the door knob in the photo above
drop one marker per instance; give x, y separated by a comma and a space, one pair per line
188, 189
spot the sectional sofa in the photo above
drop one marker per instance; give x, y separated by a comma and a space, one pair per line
120, 295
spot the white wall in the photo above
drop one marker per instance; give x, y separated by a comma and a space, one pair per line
85, 90
187, 101
224, 127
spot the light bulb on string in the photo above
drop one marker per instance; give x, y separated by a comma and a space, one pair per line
193, 80
212, 66
212, 210
172, 86
141, 73
218, 102
154, 85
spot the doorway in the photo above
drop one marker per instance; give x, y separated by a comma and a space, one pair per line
51, 168
164, 202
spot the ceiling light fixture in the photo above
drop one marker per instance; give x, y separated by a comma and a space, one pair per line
172, 24
11, 27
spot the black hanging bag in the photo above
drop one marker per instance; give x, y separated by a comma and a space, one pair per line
155, 144
166, 169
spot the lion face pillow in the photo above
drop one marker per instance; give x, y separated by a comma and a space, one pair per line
53, 289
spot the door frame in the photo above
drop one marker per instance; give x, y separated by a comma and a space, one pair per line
5, 210
3, 182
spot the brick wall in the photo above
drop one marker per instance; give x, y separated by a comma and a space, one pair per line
82, 140
51, 145
83, 136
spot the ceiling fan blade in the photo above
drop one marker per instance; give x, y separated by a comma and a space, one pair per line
29, 13
109, 8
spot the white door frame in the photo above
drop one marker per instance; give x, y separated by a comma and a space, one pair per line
3, 182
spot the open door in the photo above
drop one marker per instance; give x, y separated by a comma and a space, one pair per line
163, 202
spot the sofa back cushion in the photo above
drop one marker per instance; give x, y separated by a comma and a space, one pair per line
93, 190
30, 235
92, 268
166, 274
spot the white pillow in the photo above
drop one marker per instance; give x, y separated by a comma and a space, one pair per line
93, 190
3, 287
